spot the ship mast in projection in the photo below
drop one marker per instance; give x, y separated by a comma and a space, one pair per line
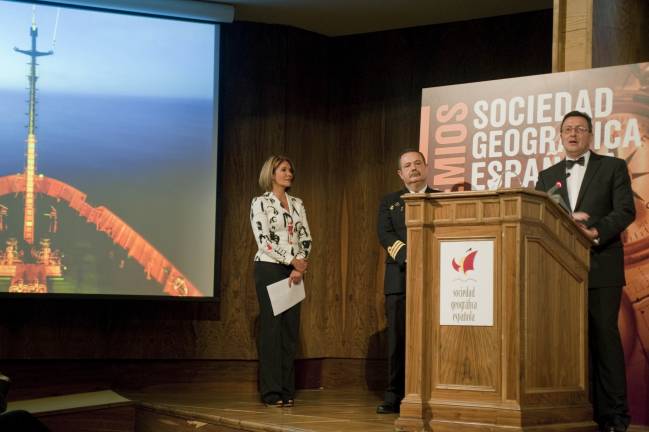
30, 163
29, 270
29, 273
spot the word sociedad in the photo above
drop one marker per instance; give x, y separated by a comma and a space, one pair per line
515, 138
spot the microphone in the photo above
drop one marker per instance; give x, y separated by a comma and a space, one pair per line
558, 185
552, 192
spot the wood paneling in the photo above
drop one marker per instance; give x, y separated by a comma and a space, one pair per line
183, 409
525, 372
572, 44
150, 420
120, 419
556, 342
48, 378
620, 32
597, 33
342, 108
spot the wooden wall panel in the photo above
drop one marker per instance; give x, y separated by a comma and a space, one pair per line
99, 419
252, 106
572, 45
342, 108
598, 33
319, 169
620, 32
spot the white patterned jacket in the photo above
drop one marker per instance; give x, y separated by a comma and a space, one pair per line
281, 235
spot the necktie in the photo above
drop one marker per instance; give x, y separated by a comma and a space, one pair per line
571, 163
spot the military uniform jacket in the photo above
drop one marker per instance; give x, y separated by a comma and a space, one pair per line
392, 236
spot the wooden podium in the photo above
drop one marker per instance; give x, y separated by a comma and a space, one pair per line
528, 370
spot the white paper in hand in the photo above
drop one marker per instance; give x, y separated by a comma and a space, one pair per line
283, 297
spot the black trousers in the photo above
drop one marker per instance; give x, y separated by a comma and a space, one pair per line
278, 337
395, 309
608, 375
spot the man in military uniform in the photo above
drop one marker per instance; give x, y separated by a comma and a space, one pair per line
392, 235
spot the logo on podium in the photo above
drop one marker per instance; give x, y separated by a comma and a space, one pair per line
466, 283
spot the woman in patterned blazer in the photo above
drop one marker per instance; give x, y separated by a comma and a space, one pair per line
283, 238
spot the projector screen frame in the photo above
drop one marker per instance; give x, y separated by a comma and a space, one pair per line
215, 295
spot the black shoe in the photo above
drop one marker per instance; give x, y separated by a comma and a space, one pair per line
387, 408
273, 400
614, 425
610, 428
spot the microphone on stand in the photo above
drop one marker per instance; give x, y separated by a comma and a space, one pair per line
556, 197
558, 185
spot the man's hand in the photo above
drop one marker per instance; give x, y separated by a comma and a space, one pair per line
591, 233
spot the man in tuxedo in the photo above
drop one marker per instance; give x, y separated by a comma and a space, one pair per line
598, 192
392, 236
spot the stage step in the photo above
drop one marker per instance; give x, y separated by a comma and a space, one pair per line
100, 411
193, 408
152, 418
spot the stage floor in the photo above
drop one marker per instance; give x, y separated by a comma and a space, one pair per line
314, 411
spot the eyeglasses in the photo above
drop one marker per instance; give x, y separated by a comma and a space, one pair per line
577, 129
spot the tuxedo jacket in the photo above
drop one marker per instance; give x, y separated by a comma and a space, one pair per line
606, 195
392, 232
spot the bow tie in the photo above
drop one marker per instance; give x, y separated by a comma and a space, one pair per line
571, 163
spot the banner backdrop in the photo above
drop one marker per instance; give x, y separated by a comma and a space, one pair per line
500, 134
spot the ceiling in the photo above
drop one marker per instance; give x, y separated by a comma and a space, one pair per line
345, 17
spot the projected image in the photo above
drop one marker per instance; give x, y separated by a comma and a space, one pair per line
108, 153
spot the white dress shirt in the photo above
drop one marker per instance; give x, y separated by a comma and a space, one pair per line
423, 190
576, 177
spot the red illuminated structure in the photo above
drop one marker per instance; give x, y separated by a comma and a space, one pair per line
29, 272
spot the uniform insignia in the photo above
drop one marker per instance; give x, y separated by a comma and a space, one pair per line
395, 248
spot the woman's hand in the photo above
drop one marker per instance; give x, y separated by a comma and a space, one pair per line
294, 278
300, 264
